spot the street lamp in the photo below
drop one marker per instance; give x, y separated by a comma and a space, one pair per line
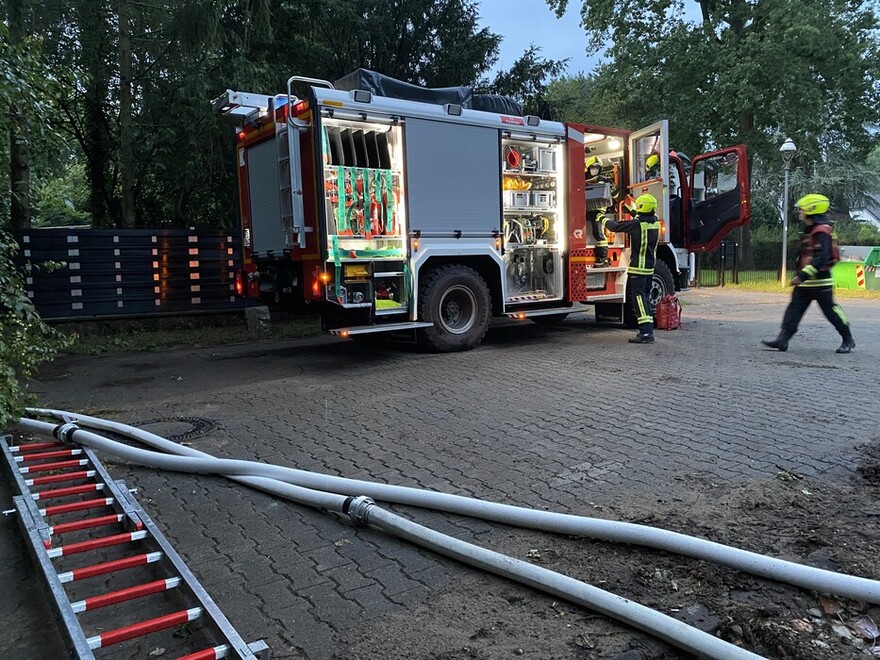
788, 150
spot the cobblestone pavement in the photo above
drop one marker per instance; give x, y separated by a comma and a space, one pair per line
549, 417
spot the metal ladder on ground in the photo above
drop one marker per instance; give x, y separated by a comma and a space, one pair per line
46, 472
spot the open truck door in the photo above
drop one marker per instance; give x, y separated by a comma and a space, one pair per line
651, 141
719, 203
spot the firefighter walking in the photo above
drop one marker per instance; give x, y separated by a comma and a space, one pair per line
644, 232
813, 280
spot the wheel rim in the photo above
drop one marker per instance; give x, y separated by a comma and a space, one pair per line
658, 290
458, 308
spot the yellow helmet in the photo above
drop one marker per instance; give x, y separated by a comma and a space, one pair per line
594, 161
813, 204
652, 161
646, 204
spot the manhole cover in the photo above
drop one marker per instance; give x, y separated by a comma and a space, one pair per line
178, 429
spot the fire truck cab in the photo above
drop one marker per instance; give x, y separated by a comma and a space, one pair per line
401, 209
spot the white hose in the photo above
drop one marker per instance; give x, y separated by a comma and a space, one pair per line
808, 577
364, 510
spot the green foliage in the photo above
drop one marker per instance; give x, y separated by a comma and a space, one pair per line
752, 71
526, 80
25, 341
62, 200
186, 52
571, 98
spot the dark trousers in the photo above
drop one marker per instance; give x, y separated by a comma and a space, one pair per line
639, 300
598, 231
801, 299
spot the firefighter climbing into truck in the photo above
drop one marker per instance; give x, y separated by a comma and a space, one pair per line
426, 213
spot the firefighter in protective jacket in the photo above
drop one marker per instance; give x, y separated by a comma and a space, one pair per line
644, 232
813, 280
594, 175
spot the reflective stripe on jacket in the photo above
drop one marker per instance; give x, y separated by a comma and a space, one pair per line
644, 232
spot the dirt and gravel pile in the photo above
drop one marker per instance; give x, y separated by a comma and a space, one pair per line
791, 517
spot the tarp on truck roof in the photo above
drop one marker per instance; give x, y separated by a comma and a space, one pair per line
382, 85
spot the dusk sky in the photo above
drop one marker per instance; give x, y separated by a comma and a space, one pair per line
521, 22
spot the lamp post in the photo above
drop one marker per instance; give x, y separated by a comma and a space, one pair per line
788, 150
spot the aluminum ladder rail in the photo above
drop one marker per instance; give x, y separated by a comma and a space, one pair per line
51, 464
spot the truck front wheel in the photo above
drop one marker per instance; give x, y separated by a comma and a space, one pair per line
457, 301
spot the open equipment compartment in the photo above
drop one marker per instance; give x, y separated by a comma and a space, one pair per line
366, 234
532, 219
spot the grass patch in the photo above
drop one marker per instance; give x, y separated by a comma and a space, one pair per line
776, 287
105, 338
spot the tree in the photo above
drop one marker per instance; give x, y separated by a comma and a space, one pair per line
526, 81
571, 98
751, 71
25, 88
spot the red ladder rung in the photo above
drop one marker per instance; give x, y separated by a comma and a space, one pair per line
56, 478
114, 597
61, 453
65, 492
60, 465
77, 525
94, 544
35, 446
109, 567
213, 653
77, 506
144, 628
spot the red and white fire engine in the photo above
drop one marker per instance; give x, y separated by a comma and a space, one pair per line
399, 208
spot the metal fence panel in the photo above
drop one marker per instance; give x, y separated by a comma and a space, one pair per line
133, 272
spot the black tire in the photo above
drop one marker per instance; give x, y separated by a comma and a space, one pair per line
549, 319
662, 283
457, 301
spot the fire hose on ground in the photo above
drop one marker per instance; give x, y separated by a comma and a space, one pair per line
356, 499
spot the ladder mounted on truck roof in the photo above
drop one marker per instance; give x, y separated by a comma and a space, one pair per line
245, 105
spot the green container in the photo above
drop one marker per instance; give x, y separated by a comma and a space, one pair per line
872, 270
844, 274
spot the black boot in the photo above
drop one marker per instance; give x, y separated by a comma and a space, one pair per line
602, 261
780, 343
641, 339
847, 346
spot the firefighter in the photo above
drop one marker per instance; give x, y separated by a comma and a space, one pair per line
644, 232
813, 280
593, 168
594, 218
652, 167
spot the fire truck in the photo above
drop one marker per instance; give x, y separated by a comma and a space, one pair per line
428, 212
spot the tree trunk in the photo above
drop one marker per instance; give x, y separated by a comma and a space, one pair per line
96, 144
126, 159
19, 156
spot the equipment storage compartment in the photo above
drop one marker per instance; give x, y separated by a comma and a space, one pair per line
532, 219
365, 216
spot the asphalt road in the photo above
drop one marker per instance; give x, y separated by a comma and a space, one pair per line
550, 417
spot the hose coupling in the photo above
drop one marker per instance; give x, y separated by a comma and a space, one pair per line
359, 509
64, 432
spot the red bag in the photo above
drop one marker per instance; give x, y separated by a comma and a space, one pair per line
668, 313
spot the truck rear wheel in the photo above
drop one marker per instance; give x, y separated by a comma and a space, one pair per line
456, 300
